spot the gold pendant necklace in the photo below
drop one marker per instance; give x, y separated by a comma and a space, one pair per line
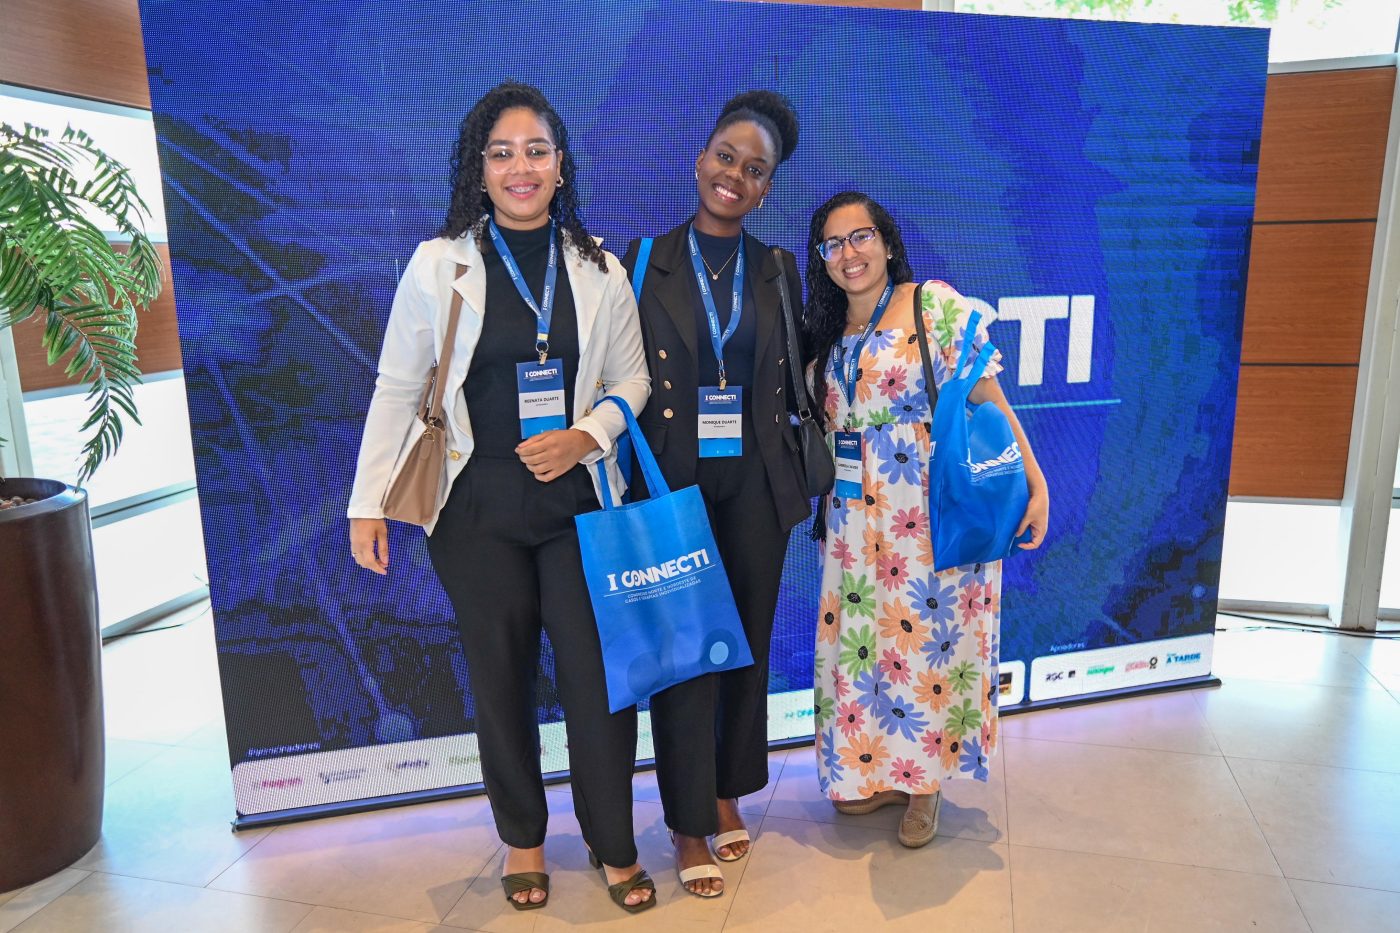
714, 276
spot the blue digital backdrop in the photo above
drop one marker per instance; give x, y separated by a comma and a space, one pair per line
1091, 182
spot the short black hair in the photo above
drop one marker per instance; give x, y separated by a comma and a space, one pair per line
770, 110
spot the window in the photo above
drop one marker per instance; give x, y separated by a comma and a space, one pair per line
147, 538
1390, 571
1302, 30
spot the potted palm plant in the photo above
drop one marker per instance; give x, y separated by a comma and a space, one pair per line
56, 263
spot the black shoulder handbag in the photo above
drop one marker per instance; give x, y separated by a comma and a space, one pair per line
818, 468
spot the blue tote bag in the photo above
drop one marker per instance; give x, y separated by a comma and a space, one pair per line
977, 480
660, 595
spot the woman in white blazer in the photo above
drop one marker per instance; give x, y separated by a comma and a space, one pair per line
535, 351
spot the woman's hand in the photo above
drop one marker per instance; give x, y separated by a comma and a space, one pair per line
1037, 517
369, 543
551, 454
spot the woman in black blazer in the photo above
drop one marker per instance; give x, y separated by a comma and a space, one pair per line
711, 734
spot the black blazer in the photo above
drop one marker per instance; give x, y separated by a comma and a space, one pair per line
669, 334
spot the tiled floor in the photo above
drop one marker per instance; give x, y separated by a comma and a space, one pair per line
1271, 804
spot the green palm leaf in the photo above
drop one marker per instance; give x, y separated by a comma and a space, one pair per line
56, 262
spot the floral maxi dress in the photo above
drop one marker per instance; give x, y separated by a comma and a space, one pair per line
906, 658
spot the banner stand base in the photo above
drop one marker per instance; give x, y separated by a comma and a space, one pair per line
301, 814
388, 801
1171, 686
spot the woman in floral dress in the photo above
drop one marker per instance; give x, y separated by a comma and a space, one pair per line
906, 678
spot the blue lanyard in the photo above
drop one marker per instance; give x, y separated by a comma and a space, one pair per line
544, 311
850, 367
736, 307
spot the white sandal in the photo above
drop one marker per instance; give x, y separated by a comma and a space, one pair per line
728, 839
699, 873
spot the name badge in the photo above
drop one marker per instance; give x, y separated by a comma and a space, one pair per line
721, 429
848, 471
541, 391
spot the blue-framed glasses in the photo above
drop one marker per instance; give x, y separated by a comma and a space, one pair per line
830, 248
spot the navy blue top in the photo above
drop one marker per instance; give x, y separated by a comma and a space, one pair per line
739, 351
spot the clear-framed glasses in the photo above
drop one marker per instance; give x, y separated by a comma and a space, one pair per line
500, 159
829, 248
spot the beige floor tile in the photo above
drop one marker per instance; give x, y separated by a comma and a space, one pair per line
212, 735
1074, 892
161, 686
1333, 825
331, 920
971, 809
408, 862
1379, 656
116, 904
169, 820
1287, 657
1133, 803
1338, 726
18, 906
125, 756
1169, 722
1334, 908
578, 893
813, 876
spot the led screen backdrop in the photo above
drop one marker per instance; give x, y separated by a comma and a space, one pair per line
1091, 183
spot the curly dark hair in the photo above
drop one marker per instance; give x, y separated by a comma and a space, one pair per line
824, 317
770, 110
470, 203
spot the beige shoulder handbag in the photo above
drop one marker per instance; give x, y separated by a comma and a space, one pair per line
413, 495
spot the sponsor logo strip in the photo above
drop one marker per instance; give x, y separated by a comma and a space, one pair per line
1073, 673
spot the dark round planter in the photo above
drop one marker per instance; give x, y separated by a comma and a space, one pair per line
51, 751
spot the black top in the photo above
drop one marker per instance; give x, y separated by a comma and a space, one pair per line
676, 338
739, 350
508, 337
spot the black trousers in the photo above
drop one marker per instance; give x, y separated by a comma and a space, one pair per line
507, 554
711, 733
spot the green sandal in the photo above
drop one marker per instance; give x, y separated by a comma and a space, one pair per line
525, 881
641, 881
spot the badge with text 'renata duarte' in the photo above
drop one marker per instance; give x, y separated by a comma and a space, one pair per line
541, 388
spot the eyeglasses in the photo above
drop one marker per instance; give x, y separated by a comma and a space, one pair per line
829, 248
501, 159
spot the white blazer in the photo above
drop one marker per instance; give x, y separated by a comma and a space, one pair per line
611, 362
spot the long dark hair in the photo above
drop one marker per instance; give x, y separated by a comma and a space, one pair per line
825, 316
770, 110
470, 202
